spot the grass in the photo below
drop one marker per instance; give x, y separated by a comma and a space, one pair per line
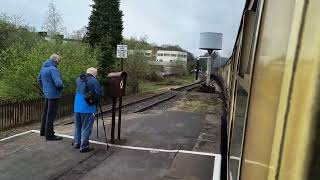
199, 103
166, 83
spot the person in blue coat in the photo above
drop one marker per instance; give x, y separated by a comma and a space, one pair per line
50, 81
84, 112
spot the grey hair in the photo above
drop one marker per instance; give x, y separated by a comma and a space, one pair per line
93, 71
55, 57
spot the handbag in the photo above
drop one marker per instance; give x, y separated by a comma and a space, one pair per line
90, 97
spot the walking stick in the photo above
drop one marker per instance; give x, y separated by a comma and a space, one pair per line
104, 127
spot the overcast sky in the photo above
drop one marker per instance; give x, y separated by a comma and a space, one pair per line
162, 21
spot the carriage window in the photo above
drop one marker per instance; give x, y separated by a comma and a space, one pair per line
237, 131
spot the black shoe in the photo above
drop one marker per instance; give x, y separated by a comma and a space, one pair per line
77, 146
54, 138
86, 150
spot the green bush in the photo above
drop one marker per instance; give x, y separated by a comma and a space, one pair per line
154, 76
11, 34
20, 70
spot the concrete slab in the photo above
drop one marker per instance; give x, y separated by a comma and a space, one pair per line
31, 157
165, 130
36, 158
132, 164
190, 167
43, 160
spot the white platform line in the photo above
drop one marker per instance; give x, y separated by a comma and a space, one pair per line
140, 148
16, 135
217, 168
217, 159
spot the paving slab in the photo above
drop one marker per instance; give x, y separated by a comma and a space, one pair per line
43, 160
163, 130
132, 164
190, 167
40, 159
31, 157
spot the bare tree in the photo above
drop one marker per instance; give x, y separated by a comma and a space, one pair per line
79, 34
14, 19
53, 23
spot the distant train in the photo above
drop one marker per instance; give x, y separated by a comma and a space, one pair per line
272, 84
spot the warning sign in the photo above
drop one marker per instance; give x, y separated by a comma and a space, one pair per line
122, 51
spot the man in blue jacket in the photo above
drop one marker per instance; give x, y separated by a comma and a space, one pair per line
84, 112
50, 81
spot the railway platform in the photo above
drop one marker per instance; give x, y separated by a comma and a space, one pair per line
159, 144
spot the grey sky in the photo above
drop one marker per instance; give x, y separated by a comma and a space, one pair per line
163, 21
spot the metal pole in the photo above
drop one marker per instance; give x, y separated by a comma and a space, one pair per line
119, 118
121, 64
197, 73
113, 121
208, 70
120, 108
98, 125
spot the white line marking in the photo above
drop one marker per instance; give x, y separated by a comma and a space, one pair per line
140, 148
16, 135
199, 153
217, 159
217, 168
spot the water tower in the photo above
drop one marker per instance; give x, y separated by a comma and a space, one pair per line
210, 41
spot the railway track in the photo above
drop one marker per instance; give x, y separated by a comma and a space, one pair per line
147, 103
151, 101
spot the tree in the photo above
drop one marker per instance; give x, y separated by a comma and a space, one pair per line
79, 34
14, 31
136, 65
177, 68
13, 19
53, 23
23, 66
105, 31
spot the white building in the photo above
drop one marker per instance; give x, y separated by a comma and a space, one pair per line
147, 53
165, 58
171, 56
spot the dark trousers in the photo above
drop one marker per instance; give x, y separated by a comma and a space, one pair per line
48, 117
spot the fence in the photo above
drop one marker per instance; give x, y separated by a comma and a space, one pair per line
13, 114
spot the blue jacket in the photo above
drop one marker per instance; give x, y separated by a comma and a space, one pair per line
50, 81
80, 105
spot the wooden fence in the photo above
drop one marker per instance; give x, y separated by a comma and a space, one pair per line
25, 112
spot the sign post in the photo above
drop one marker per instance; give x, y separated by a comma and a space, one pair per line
122, 53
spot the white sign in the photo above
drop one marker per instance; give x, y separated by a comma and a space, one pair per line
122, 51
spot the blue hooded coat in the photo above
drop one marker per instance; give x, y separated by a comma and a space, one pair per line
80, 105
50, 81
